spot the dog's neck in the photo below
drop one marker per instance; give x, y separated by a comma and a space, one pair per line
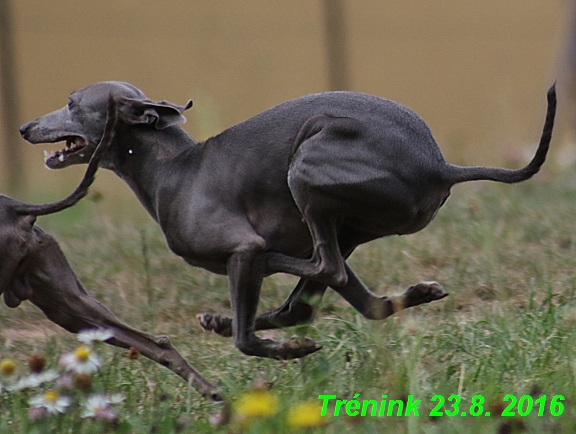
143, 159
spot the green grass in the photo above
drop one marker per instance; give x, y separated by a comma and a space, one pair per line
506, 255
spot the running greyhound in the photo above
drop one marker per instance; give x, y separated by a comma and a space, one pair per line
294, 189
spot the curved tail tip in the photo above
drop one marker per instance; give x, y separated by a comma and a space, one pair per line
552, 93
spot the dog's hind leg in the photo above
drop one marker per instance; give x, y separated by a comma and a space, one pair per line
299, 308
326, 264
323, 189
376, 307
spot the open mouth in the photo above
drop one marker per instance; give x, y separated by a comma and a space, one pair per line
74, 152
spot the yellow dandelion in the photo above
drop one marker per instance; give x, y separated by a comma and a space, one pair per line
7, 368
305, 415
257, 403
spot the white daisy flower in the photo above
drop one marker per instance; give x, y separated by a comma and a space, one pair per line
51, 401
116, 398
82, 361
89, 336
34, 380
98, 406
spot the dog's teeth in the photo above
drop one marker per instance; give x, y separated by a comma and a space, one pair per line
46, 155
61, 158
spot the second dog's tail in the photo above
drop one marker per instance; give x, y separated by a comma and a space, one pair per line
82, 189
456, 174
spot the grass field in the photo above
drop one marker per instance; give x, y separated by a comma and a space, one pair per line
506, 255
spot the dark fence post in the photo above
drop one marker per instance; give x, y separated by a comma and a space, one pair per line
334, 22
9, 101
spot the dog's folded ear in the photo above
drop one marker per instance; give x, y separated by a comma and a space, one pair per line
145, 112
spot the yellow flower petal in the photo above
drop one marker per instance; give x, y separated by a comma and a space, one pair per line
51, 396
305, 415
7, 367
257, 403
82, 353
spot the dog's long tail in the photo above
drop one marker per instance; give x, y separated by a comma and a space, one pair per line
456, 174
87, 180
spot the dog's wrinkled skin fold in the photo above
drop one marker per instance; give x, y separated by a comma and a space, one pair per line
294, 189
32, 267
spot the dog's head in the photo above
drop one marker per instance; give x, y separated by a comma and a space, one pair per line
81, 122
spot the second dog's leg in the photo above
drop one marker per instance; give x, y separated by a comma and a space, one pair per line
75, 311
49, 282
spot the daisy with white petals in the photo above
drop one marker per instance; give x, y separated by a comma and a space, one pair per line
89, 336
51, 401
98, 406
82, 361
34, 380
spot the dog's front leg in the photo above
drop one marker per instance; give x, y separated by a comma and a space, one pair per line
299, 308
246, 272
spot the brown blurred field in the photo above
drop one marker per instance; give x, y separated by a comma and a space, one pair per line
477, 72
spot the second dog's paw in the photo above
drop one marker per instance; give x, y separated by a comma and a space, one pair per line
216, 323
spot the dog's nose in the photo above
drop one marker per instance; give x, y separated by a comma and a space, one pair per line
24, 128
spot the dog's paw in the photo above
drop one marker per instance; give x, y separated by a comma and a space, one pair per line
424, 292
163, 341
216, 323
295, 348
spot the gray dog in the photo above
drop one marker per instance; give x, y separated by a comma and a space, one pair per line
32, 267
294, 189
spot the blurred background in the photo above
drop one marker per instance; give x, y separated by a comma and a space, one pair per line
476, 72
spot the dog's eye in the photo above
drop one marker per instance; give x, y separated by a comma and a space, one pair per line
70, 102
